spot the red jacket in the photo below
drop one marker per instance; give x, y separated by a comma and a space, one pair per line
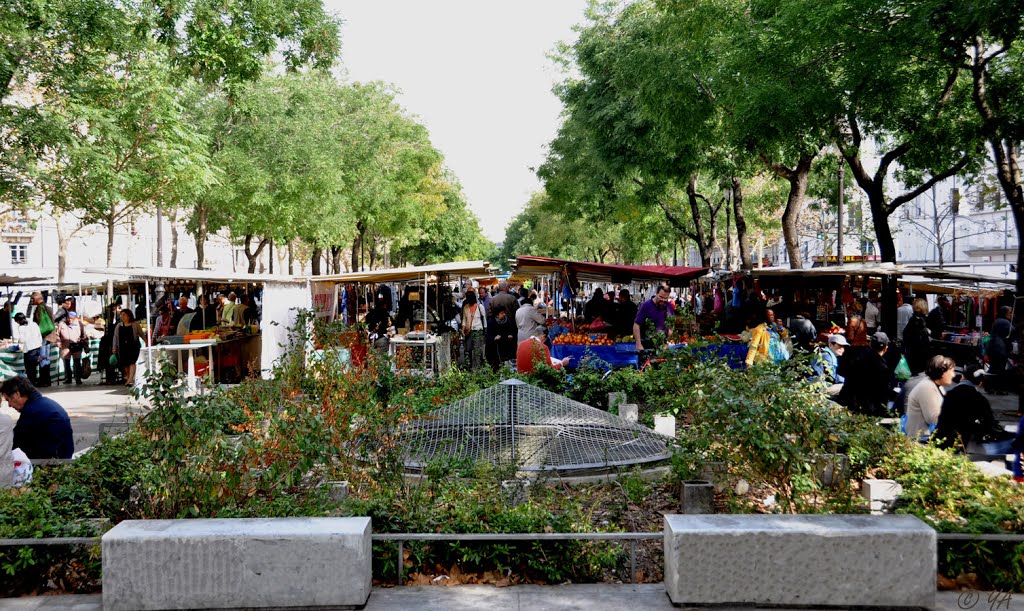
532, 352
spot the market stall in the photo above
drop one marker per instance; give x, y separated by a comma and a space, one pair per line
564, 278
227, 350
424, 343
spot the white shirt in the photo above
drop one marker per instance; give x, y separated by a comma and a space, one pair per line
27, 336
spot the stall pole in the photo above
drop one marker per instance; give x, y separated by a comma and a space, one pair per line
149, 334
426, 325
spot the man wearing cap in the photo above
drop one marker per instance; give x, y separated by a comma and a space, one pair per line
43, 429
868, 386
826, 364
62, 311
29, 340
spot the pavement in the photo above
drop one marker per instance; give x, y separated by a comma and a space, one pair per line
591, 597
89, 406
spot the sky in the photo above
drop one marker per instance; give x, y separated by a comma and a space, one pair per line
478, 76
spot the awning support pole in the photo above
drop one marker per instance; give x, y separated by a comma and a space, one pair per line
149, 335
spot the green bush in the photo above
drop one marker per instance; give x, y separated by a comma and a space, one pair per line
949, 493
29, 513
445, 503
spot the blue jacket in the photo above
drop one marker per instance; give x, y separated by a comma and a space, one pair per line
825, 364
44, 429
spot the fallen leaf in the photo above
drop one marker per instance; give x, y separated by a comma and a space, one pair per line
945, 583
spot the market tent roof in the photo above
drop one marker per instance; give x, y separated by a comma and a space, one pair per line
605, 272
8, 280
137, 274
870, 269
917, 275
469, 269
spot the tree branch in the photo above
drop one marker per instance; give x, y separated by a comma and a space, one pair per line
896, 202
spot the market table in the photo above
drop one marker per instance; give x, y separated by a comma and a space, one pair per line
190, 376
437, 347
614, 357
15, 361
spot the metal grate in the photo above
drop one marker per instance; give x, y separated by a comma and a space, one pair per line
537, 430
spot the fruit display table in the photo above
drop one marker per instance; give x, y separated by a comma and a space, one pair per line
603, 357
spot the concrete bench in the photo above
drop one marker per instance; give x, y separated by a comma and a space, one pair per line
800, 560
232, 563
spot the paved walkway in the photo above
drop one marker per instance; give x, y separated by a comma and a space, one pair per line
89, 406
596, 597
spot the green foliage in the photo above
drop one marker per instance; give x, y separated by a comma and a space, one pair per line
445, 503
770, 425
30, 513
949, 493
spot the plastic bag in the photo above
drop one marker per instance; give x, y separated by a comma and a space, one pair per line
22, 468
46, 325
902, 371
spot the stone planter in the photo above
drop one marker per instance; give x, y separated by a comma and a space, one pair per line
629, 412
337, 490
831, 470
665, 425
698, 497
717, 473
515, 491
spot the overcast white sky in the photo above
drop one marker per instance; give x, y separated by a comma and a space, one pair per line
477, 75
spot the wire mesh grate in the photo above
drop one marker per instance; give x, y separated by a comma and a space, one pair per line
537, 430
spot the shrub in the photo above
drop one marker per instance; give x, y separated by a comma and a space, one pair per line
949, 493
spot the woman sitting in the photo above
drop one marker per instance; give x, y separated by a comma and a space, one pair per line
924, 404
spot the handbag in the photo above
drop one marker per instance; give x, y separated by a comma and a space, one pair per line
86, 369
46, 325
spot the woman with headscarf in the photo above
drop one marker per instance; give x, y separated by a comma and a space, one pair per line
72, 341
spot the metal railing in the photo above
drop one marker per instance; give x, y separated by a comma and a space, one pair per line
401, 538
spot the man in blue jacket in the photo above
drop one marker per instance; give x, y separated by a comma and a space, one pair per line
43, 429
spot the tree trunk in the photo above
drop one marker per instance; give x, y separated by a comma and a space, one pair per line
110, 254
373, 252
202, 232
318, 255
62, 250
251, 255
357, 244
174, 242
703, 246
797, 178
291, 259
335, 259
741, 224
1010, 179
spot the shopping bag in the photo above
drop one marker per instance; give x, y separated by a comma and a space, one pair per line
902, 370
113, 360
46, 325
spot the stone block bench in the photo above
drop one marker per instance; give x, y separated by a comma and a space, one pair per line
800, 560
232, 563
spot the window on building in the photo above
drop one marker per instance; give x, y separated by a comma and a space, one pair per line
19, 254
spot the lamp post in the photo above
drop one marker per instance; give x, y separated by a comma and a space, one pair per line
839, 215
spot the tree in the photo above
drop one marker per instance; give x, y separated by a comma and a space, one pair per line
450, 235
129, 144
983, 41
279, 154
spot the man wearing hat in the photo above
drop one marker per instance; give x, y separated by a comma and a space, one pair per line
30, 341
826, 364
869, 383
